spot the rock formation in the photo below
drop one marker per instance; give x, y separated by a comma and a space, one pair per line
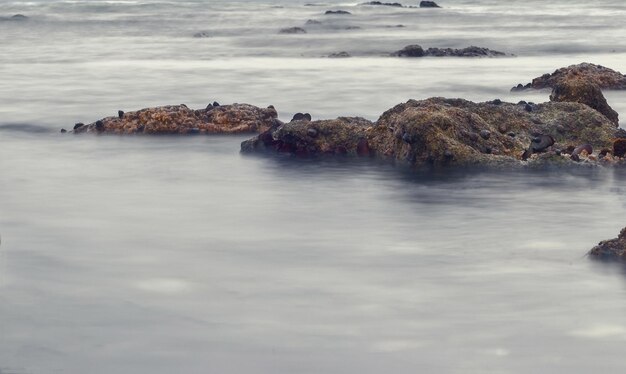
179, 119
415, 50
445, 132
604, 77
614, 249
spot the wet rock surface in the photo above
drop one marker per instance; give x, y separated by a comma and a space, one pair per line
602, 76
416, 50
614, 249
445, 132
337, 12
179, 119
379, 3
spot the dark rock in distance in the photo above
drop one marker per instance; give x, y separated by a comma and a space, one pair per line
342, 54
292, 30
78, 125
18, 17
428, 4
201, 34
379, 3
337, 12
414, 50
120, 114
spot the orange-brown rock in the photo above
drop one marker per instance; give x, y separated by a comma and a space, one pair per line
441, 132
179, 119
604, 77
580, 90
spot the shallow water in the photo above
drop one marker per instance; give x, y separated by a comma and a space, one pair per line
178, 254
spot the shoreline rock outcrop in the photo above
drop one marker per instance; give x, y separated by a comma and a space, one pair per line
604, 77
614, 249
439, 132
179, 119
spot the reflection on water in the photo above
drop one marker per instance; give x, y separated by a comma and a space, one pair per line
178, 254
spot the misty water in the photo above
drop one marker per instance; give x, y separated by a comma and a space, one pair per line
178, 254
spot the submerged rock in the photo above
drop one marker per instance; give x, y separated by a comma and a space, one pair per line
614, 249
179, 119
416, 50
202, 34
604, 77
440, 132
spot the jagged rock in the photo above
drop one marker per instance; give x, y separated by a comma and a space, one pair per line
179, 119
341, 136
614, 249
428, 4
292, 30
585, 92
337, 12
416, 50
440, 132
604, 77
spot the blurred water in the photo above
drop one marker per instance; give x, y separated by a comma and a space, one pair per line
178, 254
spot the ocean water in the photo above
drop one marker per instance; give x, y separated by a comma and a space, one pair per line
179, 254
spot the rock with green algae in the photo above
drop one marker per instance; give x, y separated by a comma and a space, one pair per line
445, 132
604, 77
179, 119
614, 249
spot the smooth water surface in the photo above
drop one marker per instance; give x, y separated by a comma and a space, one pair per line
178, 254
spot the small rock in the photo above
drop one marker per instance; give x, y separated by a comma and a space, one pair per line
528, 107
63, 131
414, 50
215, 103
335, 12
292, 30
201, 35
428, 4
619, 147
313, 22
485, 134
312, 132
99, 125
339, 55
120, 114
78, 125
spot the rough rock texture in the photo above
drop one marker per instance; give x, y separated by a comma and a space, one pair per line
416, 50
604, 77
341, 136
441, 132
614, 249
179, 119
581, 91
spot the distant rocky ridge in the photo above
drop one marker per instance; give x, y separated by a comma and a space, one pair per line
416, 50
